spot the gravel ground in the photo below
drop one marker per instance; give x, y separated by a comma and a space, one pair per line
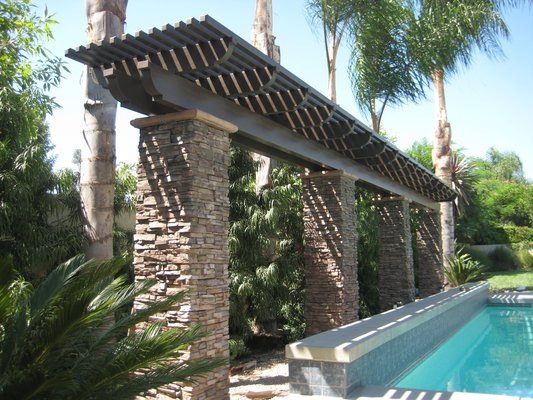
268, 379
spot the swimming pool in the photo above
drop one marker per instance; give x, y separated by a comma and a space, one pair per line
492, 354
375, 351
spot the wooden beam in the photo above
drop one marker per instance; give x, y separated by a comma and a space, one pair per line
173, 91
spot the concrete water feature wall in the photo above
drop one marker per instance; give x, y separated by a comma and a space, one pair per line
376, 350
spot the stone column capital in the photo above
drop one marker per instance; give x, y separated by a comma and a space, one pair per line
186, 115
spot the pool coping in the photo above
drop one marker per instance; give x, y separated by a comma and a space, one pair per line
350, 342
393, 393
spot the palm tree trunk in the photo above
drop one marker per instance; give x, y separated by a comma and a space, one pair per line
264, 40
333, 45
374, 115
105, 19
441, 155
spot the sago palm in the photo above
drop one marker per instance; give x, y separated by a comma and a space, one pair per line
462, 269
62, 340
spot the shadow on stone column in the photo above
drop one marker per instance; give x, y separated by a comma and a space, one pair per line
330, 257
181, 233
428, 242
396, 272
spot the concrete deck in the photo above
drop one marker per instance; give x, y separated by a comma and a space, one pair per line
512, 298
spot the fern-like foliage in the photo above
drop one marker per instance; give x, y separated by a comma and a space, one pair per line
266, 251
462, 269
63, 341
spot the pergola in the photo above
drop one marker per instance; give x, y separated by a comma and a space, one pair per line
203, 65
202, 87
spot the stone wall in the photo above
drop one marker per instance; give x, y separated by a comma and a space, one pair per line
396, 273
332, 293
430, 263
181, 233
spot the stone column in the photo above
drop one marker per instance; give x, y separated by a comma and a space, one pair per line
332, 293
181, 232
396, 273
430, 264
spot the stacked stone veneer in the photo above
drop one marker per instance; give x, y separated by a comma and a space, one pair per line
181, 233
330, 252
396, 272
430, 263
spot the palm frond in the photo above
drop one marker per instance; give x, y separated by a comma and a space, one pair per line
66, 344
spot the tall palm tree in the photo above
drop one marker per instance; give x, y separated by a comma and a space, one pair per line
56, 341
443, 37
381, 70
264, 40
333, 17
105, 19
380, 67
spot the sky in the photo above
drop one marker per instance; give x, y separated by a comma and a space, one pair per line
490, 103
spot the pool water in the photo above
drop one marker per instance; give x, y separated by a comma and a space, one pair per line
493, 353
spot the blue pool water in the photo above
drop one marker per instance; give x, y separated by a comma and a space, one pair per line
493, 354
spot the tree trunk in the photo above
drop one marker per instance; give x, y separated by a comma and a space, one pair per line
105, 19
441, 155
333, 45
374, 115
263, 40
332, 48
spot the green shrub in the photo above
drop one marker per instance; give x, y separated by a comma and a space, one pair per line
526, 259
479, 256
462, 269
237, 348
504, 259
517, 234
368, 248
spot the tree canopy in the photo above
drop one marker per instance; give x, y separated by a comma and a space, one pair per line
502, 206
27, 182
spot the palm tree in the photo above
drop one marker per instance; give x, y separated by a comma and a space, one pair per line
381, 70
264, 40
333, 17
56, 341
105, 19
443, 37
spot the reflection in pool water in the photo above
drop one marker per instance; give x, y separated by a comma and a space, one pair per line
493, 353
